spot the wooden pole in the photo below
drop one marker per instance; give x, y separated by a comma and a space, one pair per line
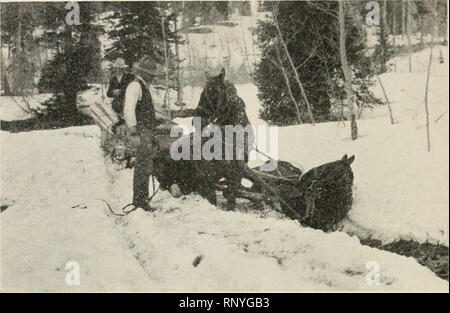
394, 25
408, 30
346, 70
427, 113
179, 74
403, 18
166, 99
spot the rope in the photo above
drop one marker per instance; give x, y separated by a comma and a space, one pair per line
264, 154
123, 209
270, 158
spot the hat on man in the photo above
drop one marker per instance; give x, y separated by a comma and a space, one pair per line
120, 63
147, 66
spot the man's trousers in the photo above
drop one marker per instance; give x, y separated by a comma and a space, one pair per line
143, 166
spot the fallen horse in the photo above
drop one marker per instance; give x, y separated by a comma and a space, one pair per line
318, 198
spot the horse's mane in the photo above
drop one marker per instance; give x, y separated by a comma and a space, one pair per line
233, 103
230, 110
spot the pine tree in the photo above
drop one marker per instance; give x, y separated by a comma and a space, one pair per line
76, 61
147, 29
18, 22
138, 31
422, 10
311, 33
383, 50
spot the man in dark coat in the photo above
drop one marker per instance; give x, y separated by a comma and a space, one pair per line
118, 84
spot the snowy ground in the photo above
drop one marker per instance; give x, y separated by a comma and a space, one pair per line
401, 191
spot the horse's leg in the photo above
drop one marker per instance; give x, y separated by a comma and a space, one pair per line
204, 184
230, 194
210, 195
245, 172
233, 178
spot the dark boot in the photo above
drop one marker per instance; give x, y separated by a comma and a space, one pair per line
146, 207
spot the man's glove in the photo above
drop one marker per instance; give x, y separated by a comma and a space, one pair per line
133, 137
121, 131
135, 141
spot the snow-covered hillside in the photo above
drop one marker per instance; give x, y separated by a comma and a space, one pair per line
51, 183
217, 46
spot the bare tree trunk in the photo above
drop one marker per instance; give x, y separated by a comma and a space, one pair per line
288, 84
375, 67
403, 18
245, 48
427, 113
18, 49
5, 84
229, 50
70, 96
408, 28
385, 29
19, 30
302, 90
394, 25
388, 103
188, 48
422, 26
206, 52
279, 63
179, 74
346, 70
166, 98
254, 10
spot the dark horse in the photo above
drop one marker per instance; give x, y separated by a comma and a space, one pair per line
319, 198
219, 103
221, 106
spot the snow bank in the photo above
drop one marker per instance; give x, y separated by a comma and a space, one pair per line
38, 243
400, 189
187, 244
16, 108
190, 245
44, 174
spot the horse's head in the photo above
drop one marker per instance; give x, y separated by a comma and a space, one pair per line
219, 102
214, 93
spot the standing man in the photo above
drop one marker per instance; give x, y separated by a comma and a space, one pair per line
140, 119
118, 83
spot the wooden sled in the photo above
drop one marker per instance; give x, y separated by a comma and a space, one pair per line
108, 121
